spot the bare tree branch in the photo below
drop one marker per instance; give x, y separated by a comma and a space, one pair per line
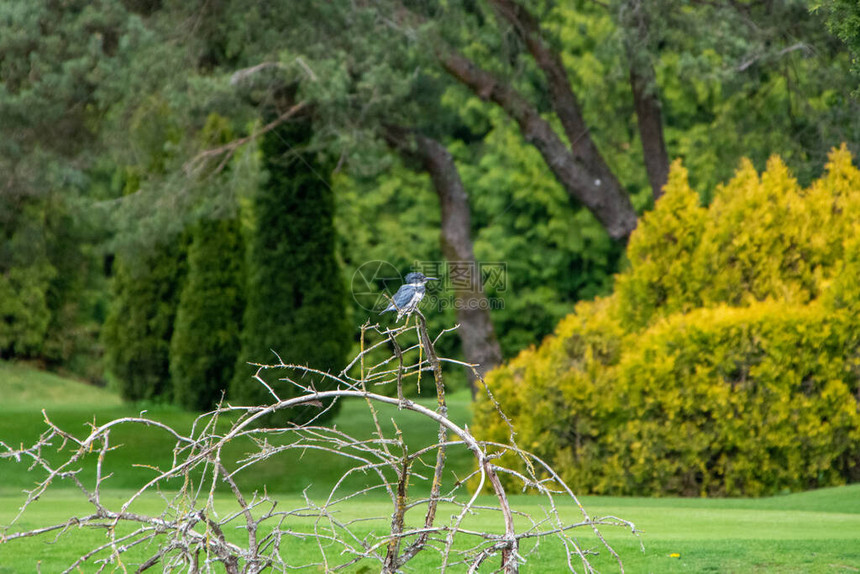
190, 533
225, 152
746, 64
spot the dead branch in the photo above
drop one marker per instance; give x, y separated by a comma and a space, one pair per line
202, 528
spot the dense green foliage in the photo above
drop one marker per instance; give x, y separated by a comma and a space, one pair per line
52, 288
725, 361
767, 64
24, 285
296, 296
62, 67
140, 324
205, 340
843, 20
105, 108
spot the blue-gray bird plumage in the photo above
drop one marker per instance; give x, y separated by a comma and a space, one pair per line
407, 298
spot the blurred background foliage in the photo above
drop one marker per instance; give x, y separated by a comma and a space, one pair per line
131, 131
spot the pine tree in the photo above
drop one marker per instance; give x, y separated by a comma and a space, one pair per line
205, 340
296, 296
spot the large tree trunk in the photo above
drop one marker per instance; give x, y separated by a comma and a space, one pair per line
567, 108
649, 116
584, 174
580, 168
564, 100
480, 346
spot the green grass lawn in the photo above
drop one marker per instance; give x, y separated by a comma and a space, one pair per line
768, 535
816, 531
22, 424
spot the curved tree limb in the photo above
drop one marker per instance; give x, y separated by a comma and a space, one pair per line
585, 176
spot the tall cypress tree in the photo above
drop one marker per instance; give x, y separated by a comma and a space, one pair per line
296, 297
139, 325
205, 340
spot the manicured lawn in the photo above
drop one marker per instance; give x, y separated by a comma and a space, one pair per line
807, 532
816, 531
25, 389
72, 406
778, 534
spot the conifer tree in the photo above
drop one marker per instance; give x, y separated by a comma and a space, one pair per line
296, 296
139, 326
25, 280
205, 340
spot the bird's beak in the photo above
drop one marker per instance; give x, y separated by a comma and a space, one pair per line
432, 278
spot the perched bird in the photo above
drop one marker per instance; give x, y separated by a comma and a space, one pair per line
406, 300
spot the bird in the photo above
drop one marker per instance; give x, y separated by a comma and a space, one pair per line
406, 300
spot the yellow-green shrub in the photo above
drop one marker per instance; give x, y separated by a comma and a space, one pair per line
661, 252
726, 362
